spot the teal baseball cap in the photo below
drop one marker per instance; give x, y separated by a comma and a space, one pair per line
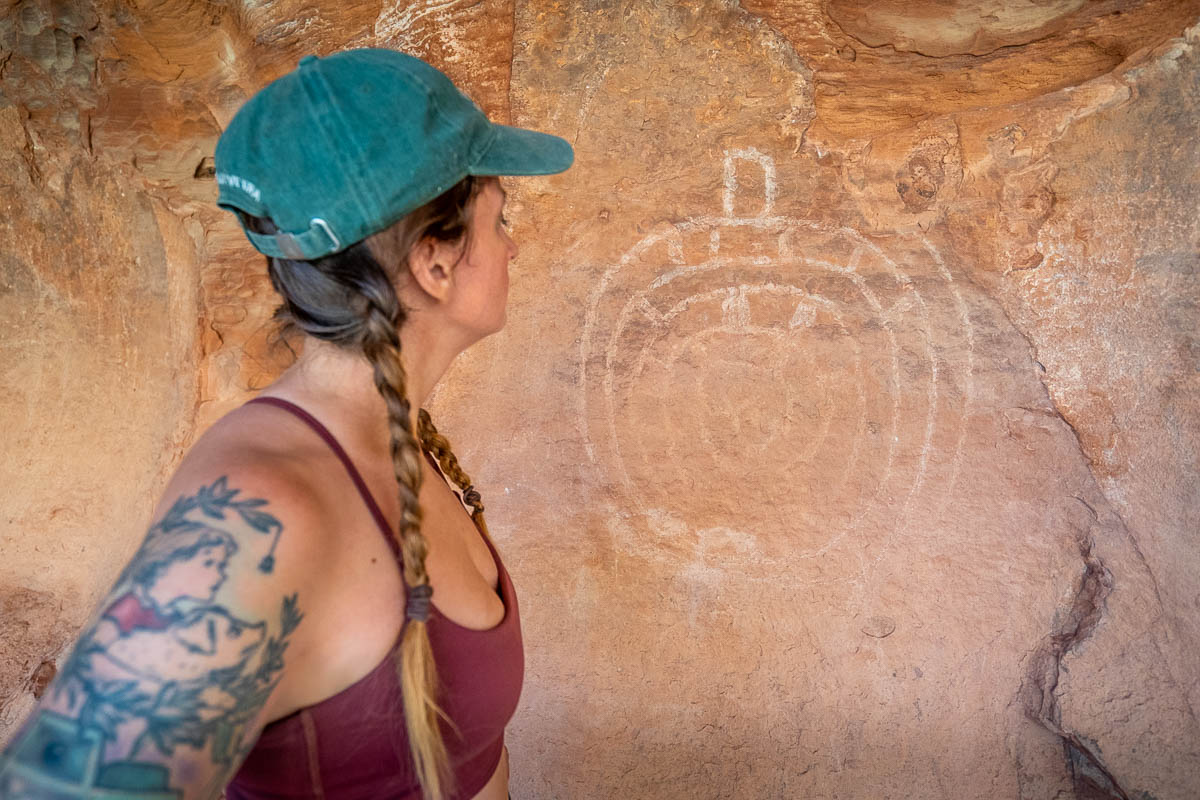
344, 146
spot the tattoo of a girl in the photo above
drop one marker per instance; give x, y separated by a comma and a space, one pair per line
167, 664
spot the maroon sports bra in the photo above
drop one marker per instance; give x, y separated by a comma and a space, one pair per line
353, 745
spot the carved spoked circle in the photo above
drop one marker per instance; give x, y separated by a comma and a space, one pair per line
759, 385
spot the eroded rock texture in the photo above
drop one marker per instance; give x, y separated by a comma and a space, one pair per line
842, 438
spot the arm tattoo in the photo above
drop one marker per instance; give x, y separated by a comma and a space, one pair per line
167, 666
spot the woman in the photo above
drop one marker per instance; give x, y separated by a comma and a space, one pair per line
331, 621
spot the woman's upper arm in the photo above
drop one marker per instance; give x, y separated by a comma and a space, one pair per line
167, 688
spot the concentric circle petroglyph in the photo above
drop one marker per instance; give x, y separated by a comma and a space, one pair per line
771, 385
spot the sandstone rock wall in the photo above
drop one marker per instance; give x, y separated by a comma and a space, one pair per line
842, 440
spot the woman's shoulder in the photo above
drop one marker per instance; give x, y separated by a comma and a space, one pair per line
217, 623
262, 468
302, 533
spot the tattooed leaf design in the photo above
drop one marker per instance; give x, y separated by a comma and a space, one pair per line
213, 511
259, 520
290, 615
222, 740
176, 517
220, 488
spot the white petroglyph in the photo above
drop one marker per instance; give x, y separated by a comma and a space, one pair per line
748, 359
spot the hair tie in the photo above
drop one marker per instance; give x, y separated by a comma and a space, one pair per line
419, 601
472, 497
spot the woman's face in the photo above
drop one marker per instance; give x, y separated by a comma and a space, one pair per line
481, 276
198, 577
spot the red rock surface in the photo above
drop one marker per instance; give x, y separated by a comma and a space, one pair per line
842, 437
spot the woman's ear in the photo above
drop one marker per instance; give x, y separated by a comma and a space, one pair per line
431, 263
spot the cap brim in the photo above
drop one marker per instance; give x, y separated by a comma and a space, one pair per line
518, 151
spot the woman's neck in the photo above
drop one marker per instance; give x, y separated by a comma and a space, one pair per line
340, 384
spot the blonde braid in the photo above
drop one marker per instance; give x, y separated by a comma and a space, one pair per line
439, 446
418, 672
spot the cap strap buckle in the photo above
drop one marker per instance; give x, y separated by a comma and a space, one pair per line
319, 240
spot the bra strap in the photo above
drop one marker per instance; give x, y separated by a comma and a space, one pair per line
341, 453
